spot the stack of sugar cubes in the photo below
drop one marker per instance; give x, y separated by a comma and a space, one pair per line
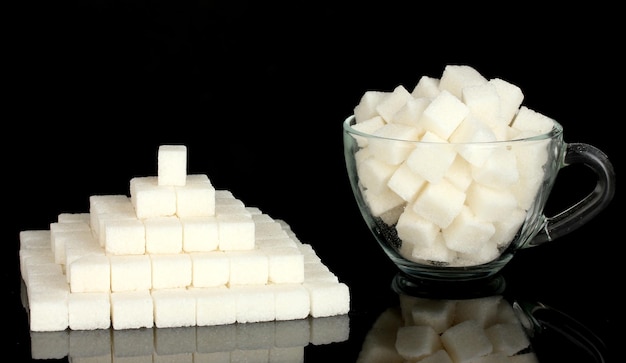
460, 195
176, 253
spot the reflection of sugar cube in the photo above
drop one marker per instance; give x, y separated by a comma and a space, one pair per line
508, 338
466, 341
172, 165
417, 341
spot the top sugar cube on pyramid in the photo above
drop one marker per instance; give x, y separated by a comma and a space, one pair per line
172, 168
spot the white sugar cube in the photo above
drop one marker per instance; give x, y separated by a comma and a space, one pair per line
215, 306
104, 218
59, 232
132, 310
366, 108
367, 126
484, 103
91, 273
411, 112
488, 252
210, 269
459, 173
533, 121
473, 130
416, 342
416, 230
391, 102
490, 204
174, 307
73, 217
511, 98
48, 310
73, 240
455, 78
172, 165
405, 183
200, 234
375, 173
130, 272
431, 157
35, 239
318, 272
285, 265
383, 202
125, 236
426, 87
268, 230
171, 270
436, 252
151, 199
89, 310
499, 170
466, 341
236, 232
393, 152
255, 303
505, 230
439, 203
248, 267
443, 115
328, 298
163, 235
466, 233
292, 301
195, 199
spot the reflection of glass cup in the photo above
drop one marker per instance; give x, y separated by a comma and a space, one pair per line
482, 329
447, 211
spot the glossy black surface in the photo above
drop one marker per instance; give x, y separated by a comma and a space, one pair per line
258, 93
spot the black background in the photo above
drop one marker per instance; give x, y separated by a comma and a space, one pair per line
258, 92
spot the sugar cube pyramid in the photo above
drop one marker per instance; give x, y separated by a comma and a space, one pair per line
176, 252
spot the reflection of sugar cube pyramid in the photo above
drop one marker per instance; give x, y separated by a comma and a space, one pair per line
177, 252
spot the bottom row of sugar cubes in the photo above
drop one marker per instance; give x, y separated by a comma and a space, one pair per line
480, 330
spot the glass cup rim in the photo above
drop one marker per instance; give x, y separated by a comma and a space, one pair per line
555, 132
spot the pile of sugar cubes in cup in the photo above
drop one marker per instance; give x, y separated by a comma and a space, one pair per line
456, 205
176, 252
484, 329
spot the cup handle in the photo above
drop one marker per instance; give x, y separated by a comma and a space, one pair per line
587, 208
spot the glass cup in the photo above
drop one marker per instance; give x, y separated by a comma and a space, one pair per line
458, 212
